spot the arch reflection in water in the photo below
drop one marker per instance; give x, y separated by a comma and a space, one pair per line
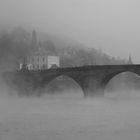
123, 85
64, 86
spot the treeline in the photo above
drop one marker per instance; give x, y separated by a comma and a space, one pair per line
16, 44
76, 56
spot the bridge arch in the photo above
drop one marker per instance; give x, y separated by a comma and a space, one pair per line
111, 75
63, 79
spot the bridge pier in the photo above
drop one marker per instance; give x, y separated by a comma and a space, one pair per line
88, 92
92, 87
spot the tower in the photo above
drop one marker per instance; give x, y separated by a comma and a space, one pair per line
130, 60
34, 39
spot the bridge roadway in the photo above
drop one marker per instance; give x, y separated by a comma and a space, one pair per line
92, 79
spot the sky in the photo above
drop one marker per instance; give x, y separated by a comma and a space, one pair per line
112, 25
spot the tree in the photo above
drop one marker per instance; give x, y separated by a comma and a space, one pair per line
49, 46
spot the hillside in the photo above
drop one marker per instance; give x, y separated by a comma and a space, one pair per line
16, 44
73, 53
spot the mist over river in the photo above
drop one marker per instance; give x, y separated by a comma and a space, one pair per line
69, 116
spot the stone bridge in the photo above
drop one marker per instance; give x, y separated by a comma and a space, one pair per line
91, 79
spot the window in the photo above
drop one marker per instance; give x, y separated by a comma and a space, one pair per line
38, 59
32, 59
43, 66
43, 59
33, 67
37, 66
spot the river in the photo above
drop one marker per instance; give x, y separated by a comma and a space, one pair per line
70, 117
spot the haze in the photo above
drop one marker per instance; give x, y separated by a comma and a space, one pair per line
69, 117
113, 25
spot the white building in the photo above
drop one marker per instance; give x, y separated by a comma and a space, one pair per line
53, 61
42, 60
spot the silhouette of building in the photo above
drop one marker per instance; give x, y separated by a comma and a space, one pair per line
129, 78
34, 43
130, 60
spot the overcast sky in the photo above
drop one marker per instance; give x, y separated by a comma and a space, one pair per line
113, 25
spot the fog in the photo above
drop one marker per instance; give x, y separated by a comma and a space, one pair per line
69, 117
110, 25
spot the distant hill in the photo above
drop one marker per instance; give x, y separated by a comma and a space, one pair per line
73, 53
15, 44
